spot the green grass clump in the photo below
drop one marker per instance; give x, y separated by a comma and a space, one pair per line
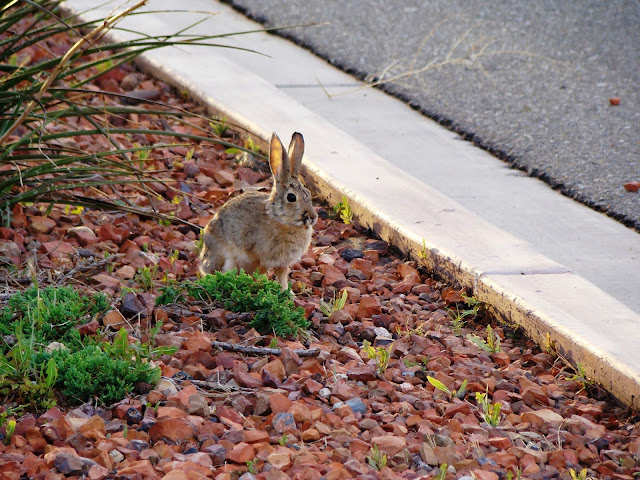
82, 369
273, 310
50, 314
93, 373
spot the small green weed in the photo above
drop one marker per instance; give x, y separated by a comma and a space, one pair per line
578, 476
50, 313
11, 427
219, 127
252, 467
343, 210
24, 377
423, 253
459, 393
145, 277
581, 377
490, 411
381, 355
458, 316
122, 349
334, 305
409, 364
249, 144
491, 345
517, 476
199, 244
442, 474
170, 294
420, 331
282, 441
376, 458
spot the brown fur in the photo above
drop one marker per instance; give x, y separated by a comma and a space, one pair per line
260, 231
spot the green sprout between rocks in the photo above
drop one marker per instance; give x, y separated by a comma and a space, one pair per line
249, 146
282, 441
11, 427
219, 127
458, 316
409, 364
580, 376
334, 305
343, 210
490, 411
491, 345
252, 467
423, 253
517, 476
380, 355
376, 458
442, 474
578, 476
145, 276
459, 393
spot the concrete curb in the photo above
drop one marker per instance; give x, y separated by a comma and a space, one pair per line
556, 307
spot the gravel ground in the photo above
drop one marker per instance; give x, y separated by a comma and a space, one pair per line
529, 81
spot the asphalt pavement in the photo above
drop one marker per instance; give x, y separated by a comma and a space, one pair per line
529, 81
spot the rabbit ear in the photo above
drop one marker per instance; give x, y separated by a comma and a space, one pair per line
278, 160
296, 150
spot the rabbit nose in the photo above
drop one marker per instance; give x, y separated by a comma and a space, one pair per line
309, 218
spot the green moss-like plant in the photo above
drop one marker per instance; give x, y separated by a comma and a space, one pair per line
92, 373
273, 310
83, 369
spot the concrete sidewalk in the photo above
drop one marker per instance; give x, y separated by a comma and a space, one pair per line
543, 261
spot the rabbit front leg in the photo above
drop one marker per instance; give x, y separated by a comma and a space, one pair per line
282, 276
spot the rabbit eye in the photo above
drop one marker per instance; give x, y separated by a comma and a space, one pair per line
291, 197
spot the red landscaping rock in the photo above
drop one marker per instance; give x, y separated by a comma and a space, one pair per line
115, 234
368, 307
241, 453
255, 436
279, 459
542, 417
279, 403
276, 368
58, 248
38, 225
388, 444
362, 373
333, 276
84, 235
172, 429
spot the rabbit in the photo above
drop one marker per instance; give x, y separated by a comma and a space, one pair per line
261, 231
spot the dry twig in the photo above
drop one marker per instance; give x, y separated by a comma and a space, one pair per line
251, 350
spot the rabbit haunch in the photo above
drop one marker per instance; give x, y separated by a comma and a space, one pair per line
260, 231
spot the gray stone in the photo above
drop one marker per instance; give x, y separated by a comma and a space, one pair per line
67, 464
357, 405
